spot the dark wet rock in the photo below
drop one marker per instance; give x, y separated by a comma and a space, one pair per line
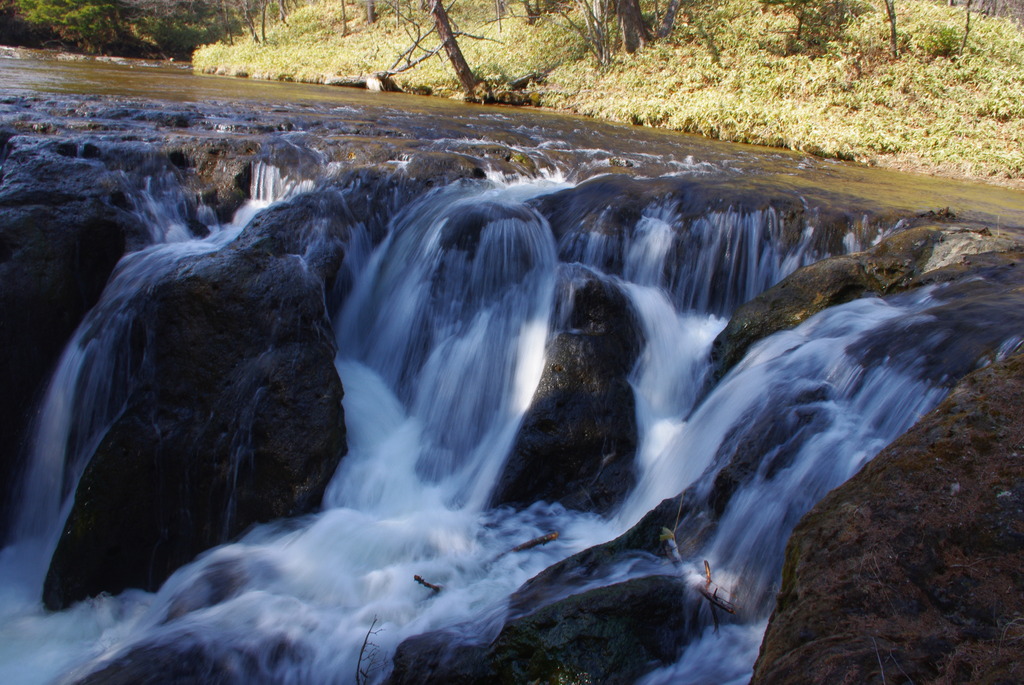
912, 569
499, 158
218, 173
184, 659
235, 417
909, 259
611, 203
442, 168
63, 227
578, 439
441, 658
978, 317
727, 242
611, 634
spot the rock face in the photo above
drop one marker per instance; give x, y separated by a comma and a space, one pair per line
911, 571
235, 417
218, 173
64, 225
578, 439
895, 265
611, 634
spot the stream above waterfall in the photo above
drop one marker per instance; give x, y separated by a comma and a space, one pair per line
345, 353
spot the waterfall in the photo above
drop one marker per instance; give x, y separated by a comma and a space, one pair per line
441, 341
96, 372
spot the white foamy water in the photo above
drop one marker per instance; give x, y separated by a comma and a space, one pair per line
440, 348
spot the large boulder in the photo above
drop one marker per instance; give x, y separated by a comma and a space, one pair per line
578, 439
235, 414
911, 571
64, 223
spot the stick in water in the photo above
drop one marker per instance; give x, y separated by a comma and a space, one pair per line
435, 588
530, 544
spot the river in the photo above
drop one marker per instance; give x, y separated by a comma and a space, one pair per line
461, 300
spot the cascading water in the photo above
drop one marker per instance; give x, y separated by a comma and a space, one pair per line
96, 372
441, 342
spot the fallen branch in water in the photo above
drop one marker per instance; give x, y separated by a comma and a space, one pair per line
536, 542
712, 596
723, 604
435, 588
530, 544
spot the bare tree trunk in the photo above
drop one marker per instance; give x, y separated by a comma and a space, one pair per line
263, 22
344, 20
890, 9
668, 22
250, 22
227, 22
967, 28
531, 13
451, 46
635, 33
596, 14
371, 11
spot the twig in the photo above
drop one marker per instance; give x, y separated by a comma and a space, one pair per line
536, 542
435, 588
723, 604
463, 34
371, 656
409, 50
716, 601
879, 657
530, 544
1006, 628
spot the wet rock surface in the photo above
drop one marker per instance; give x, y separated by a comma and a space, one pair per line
578, 438
235, 417
912, 569
909, 259
611, 634
64, 224
186, 660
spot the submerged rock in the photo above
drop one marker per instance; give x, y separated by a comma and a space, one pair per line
578, 439
234, 418
912, 569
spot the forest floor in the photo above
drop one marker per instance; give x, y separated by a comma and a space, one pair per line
733, 71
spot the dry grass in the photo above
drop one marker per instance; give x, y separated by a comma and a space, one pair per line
960, 116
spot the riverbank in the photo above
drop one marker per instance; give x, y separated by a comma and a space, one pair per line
732, 73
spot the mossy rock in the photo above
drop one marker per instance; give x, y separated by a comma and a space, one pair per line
912, 568
900, 262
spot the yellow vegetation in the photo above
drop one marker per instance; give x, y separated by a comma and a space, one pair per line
728, 73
